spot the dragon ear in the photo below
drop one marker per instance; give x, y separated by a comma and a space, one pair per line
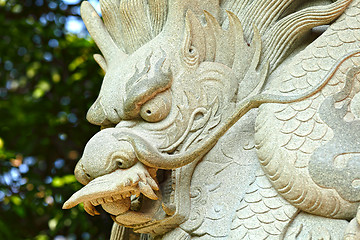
194, 41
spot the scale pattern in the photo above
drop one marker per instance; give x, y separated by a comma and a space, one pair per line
287, 134
263, 213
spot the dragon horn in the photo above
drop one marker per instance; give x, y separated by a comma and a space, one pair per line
98, 32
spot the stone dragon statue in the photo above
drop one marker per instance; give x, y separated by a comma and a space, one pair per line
225, 119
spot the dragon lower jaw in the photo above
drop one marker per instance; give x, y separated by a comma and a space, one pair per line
114, 204
114, 190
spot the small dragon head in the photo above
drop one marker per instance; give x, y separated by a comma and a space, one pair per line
112, 176
103, 154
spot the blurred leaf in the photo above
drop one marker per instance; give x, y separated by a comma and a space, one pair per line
41, 237
16, 200
61, 181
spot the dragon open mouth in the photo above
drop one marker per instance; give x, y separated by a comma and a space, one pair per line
116, 191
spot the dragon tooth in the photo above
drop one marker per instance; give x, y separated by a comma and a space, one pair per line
94, 202
90, 209
133, 197
101, 200
117, 197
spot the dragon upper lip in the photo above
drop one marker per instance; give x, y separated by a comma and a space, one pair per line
115, 186
114, 198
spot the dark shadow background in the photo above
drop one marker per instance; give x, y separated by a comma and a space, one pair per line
48, 80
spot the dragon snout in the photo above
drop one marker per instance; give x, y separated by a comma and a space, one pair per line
80, 174
98, 115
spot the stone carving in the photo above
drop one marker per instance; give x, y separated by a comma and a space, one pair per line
232, 119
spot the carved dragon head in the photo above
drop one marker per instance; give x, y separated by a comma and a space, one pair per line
170, 99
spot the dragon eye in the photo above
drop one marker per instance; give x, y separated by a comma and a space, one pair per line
121, 163
157, 108
123, 158
125, 163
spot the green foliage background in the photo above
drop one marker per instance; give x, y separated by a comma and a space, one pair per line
48, 80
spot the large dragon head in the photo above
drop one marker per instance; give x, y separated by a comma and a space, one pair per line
139, 66
164, 104
165, 100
